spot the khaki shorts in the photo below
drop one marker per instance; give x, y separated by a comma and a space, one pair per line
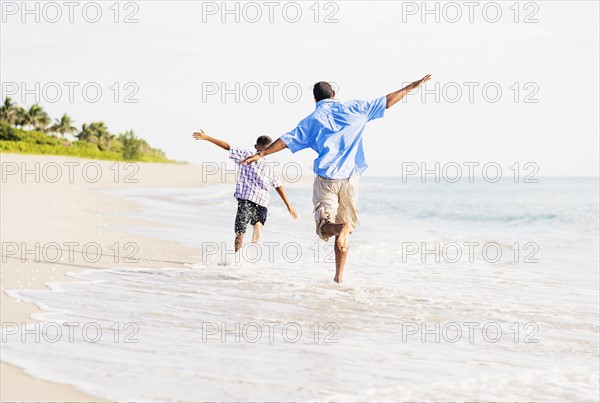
335, 201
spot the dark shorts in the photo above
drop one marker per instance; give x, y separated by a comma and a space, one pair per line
249, 212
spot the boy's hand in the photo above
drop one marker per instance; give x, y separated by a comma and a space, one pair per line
293, 213
199, 135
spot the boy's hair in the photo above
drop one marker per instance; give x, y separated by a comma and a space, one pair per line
263, 141
323, 90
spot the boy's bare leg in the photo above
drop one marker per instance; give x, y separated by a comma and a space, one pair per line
341, 233
239, 241
256, 232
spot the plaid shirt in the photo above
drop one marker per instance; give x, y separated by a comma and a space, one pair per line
255, 180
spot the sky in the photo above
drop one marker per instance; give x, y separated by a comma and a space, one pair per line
511, 82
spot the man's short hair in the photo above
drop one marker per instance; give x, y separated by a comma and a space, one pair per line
322, 90
264, 141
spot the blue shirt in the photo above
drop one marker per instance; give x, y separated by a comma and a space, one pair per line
334, 130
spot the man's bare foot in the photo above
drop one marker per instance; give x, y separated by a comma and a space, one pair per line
342, 239
337, 280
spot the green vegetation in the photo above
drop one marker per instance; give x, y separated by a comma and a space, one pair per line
29, 131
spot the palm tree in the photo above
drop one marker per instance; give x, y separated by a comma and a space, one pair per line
63, 125
20, 116
92, 132
96, 133
8, 111
36, 118
42, 120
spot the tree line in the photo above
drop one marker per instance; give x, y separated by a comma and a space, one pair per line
36, 119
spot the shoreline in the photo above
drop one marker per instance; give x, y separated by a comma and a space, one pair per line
170, 208
55, 206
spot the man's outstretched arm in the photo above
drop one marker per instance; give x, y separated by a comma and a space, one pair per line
394, 97
203, 136
276, 146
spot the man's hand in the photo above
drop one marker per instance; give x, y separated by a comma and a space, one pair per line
252, 159
200, 135
394, 97
293, 213
276, 146
417, 84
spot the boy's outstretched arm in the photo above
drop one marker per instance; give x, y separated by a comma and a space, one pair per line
283, 196
203, 136
276, 146
394, 97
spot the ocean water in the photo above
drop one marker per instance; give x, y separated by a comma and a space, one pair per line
465, 291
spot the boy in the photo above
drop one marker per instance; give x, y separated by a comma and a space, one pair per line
251, 188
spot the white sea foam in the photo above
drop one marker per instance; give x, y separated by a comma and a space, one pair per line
369, 344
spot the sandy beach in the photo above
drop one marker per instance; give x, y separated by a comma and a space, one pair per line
47, 207
212, 328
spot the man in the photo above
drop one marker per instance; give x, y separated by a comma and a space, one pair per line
251, 188
334, 130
